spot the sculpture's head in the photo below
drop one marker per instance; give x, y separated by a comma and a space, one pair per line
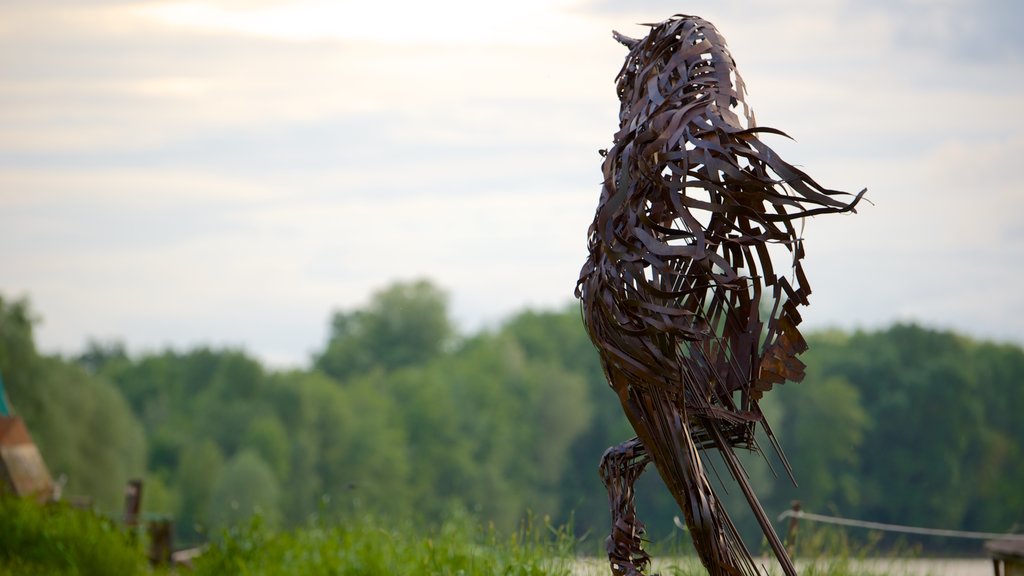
682, 60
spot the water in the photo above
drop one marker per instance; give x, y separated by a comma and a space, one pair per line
929, 566
886, 566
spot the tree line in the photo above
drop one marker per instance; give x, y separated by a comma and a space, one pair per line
400, 416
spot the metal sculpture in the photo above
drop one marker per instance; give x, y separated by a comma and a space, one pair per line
684, 294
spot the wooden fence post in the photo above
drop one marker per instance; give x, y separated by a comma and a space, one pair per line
794, 521
160, 542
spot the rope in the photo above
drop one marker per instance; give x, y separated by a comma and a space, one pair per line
899, 528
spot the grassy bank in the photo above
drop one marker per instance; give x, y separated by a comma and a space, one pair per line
38, 540
364, 546
55, 539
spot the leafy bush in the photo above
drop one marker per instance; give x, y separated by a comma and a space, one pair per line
45, 540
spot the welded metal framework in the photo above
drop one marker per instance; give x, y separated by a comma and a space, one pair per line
693, 283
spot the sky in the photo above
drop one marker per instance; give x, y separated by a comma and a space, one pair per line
230, 173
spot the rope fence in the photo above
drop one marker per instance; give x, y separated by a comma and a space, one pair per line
801, 515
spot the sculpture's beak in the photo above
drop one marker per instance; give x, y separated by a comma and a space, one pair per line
625, 40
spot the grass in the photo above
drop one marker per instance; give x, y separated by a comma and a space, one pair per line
829, 551
55, 539
819, 551
459, 546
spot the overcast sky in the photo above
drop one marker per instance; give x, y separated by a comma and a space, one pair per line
230, 173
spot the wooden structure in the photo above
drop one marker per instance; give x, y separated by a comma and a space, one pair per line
1007, 557
22, 470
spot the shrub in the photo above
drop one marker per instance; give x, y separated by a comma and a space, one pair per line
51, 539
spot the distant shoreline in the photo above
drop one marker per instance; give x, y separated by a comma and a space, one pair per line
881, 566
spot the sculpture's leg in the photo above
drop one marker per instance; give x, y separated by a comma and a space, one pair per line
714, 536
668, 441
620, 466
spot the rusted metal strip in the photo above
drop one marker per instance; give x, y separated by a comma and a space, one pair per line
673, 291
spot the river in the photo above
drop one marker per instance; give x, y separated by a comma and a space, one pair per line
876, 566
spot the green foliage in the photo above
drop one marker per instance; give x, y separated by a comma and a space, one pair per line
201, 465
246, 488
404, 420
831, 551
157, 497
908, 426
85, 430
558, 338
80, 422
100, 355
366, 546
514, 421
825, 423
406, 324
199, 409
267, 436
57, 539
18, 358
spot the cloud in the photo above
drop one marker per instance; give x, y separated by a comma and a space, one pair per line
960, 29
400, 23
174, 179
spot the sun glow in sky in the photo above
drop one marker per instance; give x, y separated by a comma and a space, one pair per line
230, 172
406, 23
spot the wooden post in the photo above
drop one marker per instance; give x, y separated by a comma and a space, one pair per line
160, 542
132, 507
794, 522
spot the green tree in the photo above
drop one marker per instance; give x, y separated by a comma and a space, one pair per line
235, 396
441, 457
516, 421
201, 465
348, 448
822, 428
99, 355
267, 436
245, 488
997, 504
297, 397
158, 497
559, 338
84, 429
927, 434
18, 357
367, 466
405, 324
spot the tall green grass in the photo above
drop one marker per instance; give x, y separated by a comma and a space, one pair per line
55, 539
460, 546
831, 551
819, 551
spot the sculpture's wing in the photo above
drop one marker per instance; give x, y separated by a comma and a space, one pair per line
697, 219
